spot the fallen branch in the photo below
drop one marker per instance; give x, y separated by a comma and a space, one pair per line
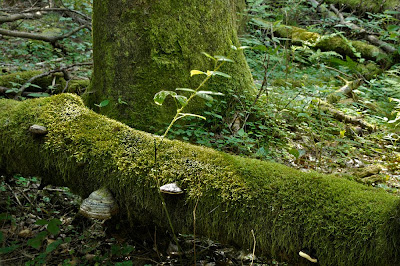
61, 69
368, 36
40, 37
346, 90
15, 17
339, 115
51, 9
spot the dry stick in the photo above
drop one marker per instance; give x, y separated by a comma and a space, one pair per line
38, 9
254, 247
16, 17
263, 88
15, 195
26, 85
40, 37
337, 70
194, 230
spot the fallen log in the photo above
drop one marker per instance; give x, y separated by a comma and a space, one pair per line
339, 115
369, 5
345, 222
369, 36
325, 43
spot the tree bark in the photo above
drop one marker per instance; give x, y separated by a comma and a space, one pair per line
345, 222
142, 47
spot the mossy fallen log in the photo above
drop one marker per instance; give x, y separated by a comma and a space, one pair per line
345, 222
331, 43
369, 5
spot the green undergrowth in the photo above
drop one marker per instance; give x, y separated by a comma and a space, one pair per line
287, 124
347, 223
18, 54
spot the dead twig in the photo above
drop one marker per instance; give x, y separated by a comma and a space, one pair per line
40, 37
62, 69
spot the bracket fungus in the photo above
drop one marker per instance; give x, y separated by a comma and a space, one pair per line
38, 130
99, 205
171, 188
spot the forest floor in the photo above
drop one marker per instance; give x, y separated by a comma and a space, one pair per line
42, 226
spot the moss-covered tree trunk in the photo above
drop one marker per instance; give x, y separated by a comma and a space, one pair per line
345, 222
142, 47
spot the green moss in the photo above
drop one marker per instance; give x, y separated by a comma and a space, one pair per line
142, 48
347, 223
78, 85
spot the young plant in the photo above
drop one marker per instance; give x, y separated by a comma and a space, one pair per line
182, 101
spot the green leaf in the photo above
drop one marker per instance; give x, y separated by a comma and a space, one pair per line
260, 47
160, 96
223, 58
124, 263
220, 74
15, 84
33, 85
1, 237
393, 27
5, 216
185, 89
53, 245
205, 96
37, 241
53, 226
295, 153
212, 93
196, 72
9, 249
182, 100
38, 94
241, 132
244, 47
103, 103
41, 222
209, 56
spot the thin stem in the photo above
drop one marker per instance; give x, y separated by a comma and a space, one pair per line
176, 117
179, 111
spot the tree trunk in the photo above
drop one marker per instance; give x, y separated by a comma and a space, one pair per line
142, 47
345, 222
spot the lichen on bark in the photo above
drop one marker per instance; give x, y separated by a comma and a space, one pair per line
142, 47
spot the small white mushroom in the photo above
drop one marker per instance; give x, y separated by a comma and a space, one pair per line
38, 130
171, 188
99, 205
